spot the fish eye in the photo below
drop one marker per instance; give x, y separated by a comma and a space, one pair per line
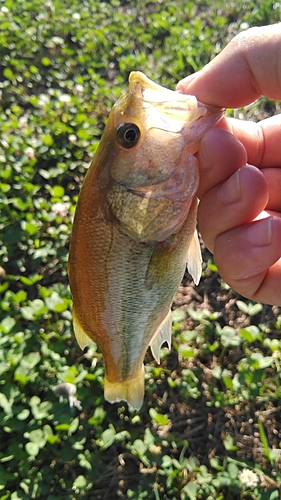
127, 134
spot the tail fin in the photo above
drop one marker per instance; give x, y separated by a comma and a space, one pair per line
131, 390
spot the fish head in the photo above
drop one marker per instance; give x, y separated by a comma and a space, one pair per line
152, 176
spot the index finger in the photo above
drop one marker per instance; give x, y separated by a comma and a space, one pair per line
248, 68
233, 143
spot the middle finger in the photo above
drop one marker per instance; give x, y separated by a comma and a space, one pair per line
237, 201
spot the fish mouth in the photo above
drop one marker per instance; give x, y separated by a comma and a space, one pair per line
172, 116
175, 125
190, 118
170, 110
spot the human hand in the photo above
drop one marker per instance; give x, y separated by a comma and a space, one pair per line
240, 165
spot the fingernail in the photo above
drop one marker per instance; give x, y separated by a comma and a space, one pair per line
183, 84
260, 232
230, 191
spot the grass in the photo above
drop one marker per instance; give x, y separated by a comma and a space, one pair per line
212, 408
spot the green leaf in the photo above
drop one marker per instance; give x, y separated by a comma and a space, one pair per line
186, 351
178, 315
212, 267
24, 414
27, 312
255, 309
7, 324
53, 439
32, 448
30, 227
228, 443
217, 372
4, 367
57, 191
46, 61
107, 438
275, 495
56, 303
259, 362
20, 296
47, 139
31, 360
264, 439
73, 426
98, 416
22, 375
251, 308
42, 410
80, 483
158, 417
251, 333
242, 306
228, 382
36, 436
233, 470
31, 280
139, 447
6, 458
230, 337
7, 72
36, 308
166, 461
5, 404
83, 462
62, 427
191, 490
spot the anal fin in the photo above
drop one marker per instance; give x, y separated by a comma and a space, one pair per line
163, 334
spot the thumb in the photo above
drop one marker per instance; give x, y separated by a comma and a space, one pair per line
248, 68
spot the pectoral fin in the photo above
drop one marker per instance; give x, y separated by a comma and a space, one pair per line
82, 338
163, 334
194, 259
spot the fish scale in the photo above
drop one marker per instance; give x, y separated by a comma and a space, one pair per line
134, 230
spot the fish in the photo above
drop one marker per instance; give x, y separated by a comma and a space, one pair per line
134, 230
